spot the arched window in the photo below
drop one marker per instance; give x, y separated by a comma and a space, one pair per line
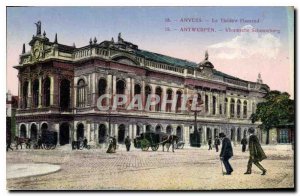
33, 132
169, 129
138, 130
245, 109
158, 128
35, 93
81, 93
179, 101
64, 133
80, 131
220, 109
102, 90
46, 92
23, 131
148, 128
121, 90
232, 134
121, 133
232, 102
214, 105
169, 98
238, 109
225, 106
239, 134
24, 95
179, 132
102, 134
147, 93
101, 87
64, 91
137, 91
206, 103
158, 92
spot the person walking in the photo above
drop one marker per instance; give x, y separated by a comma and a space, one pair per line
244, 144
217, 143
256, 153
226, 153
127, 143
209, 143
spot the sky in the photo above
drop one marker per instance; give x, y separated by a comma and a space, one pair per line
161, 30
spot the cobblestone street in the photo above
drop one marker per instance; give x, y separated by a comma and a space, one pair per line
186, 169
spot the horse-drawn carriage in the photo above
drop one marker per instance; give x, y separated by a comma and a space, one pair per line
47, 141
154, 139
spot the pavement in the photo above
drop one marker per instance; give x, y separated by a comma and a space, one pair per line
185, 169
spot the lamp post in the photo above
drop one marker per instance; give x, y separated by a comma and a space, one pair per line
196, 110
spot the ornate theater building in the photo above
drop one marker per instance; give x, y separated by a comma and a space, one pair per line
59, 86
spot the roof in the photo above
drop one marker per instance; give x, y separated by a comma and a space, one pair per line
166, 59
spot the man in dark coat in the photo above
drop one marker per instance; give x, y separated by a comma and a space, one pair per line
244, 144
127, 143
226, 153
209, 144
256, 153
217, 143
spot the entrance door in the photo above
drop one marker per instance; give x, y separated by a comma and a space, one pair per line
64, 134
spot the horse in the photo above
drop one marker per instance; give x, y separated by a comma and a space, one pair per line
169, 139
21, 140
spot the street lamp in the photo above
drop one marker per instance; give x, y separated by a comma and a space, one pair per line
197, 109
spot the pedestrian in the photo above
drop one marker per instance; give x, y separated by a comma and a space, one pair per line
226, 153
85, 142
256, 153
8, 145
111, 148
209, 143
127, 143
217, 143
244, 144
40, 142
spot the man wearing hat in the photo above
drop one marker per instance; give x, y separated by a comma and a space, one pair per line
226, 153
256, 153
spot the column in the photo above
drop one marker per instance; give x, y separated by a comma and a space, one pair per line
132, 88
134, 131
228, 106
143, 93
186, 134
217, 104
202, 93
242, 108
51, 89
116, 131
28, 94
163, 96
235, 107
210, 101
204, 134
128, 91
20, 93
173, 105
93, 91
27, 130
130, 131
40, 92
114, 86
152, 95
109, 87
75, 92
92, 132
56, 129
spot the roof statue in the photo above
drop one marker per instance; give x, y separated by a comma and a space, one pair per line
120, 38
23, 50
112, 40
259, 80
91, 41
206, 55
205, 62
44, 34
95, 40
55, 39
38, 27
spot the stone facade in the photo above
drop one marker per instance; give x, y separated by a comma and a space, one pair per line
59, 86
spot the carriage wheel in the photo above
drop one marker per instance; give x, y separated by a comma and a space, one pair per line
155, 147
182, 146
80, 146
145, 148
47, 146
53, 147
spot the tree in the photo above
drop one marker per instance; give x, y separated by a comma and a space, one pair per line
277, 109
